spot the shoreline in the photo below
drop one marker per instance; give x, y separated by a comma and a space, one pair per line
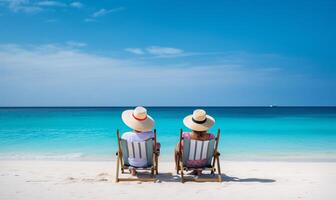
169, 161
166, 158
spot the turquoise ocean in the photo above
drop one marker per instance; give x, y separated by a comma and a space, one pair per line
247, 133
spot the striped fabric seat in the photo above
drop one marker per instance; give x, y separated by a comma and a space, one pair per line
139, 150
198, 152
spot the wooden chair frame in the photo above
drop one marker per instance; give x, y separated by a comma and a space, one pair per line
215, 166
120, 163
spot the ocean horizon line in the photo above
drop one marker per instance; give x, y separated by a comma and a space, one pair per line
131, 106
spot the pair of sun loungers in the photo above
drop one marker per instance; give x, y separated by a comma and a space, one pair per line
192, 150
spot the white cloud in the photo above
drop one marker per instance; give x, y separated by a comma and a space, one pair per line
26, 9
51, 4
163, 51
135, 51
158, 51
24, 6
27, 6
64, 75
103, 11
89, 20
76, 4
76, 44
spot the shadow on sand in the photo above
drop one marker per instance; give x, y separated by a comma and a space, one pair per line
169, 177
227, 178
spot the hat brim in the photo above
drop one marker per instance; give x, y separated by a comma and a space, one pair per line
130, 121
188, 122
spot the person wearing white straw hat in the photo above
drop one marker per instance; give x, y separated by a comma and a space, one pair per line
141, 124
199, 123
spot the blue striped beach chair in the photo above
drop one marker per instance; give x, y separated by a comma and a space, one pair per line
199, 150
145, 149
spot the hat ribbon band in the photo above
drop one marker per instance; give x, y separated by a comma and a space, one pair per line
198, 122
139, 119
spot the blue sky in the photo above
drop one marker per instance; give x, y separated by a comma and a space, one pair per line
116, 53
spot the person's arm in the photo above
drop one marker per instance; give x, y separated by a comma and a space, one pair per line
158, 146
211, 136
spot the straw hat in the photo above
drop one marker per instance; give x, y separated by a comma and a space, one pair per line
199, 121
138, 119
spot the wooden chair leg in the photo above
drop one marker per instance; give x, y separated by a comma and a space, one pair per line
219, 170
181, 170
177, 163
152, 171
121, 164
157, 165
117, 170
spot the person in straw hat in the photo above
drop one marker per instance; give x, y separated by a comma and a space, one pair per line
141, 124
199, 123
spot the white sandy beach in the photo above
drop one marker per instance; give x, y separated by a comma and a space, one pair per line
95, 180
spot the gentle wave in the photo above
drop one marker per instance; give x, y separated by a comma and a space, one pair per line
166, 157
62, 157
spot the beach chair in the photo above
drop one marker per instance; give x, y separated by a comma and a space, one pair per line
197, 150
145, 149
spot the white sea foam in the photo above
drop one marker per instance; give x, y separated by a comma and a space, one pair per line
167, 157
22, 156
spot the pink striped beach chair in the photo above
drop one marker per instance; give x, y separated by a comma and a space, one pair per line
197, 150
